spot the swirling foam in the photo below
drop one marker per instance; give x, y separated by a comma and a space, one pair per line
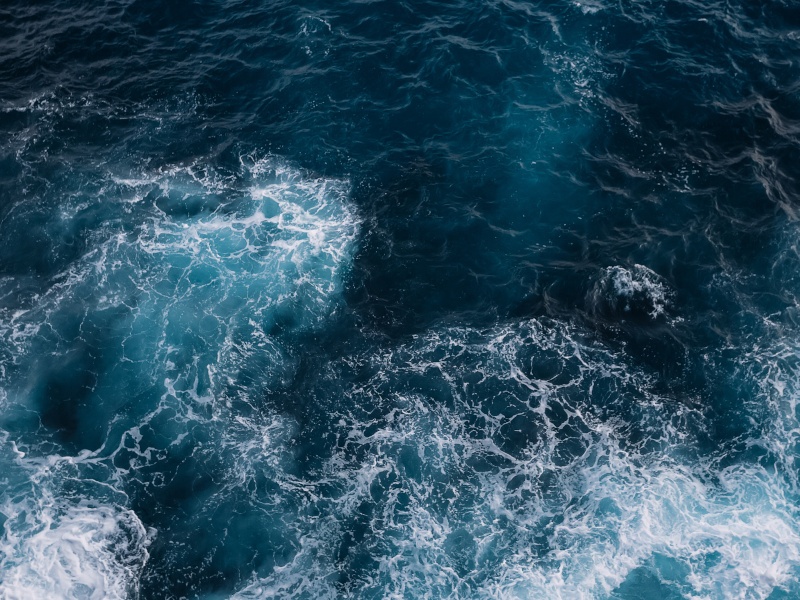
85, 551
529, 462
184, 307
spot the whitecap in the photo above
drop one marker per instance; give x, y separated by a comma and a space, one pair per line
86, 551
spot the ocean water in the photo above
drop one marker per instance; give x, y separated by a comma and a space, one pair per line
400, 299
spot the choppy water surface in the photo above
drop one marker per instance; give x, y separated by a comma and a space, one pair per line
430, 299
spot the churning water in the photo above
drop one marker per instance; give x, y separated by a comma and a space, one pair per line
400, 299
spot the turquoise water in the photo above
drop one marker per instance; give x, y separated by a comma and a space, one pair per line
399, 300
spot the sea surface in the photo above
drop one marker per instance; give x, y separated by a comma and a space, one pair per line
400, 299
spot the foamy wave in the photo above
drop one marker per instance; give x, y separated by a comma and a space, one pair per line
188, 280
738, 540
528, 462
87, 551
219, 257
630, 293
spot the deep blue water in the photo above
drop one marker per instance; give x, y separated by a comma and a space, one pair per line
385, 299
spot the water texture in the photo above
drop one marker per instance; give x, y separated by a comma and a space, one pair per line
386, 299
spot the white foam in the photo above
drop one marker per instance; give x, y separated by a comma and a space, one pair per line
609, 509
271, 237
87, 552
194, 295
590, 7
636, 285
734, 542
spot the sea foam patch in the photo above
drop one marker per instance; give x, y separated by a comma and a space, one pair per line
192, 266
526, 461
86, 551
170, 323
